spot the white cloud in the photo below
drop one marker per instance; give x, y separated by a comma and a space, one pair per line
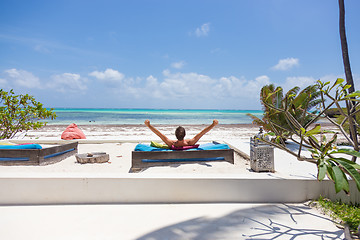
151, 89
151, 80
241, 88
178, 65
108, 75
68, 82
203, 30
192, 85
286, 64
301, 82
192, 89
3, 83
171, 89
23, 78
263, 80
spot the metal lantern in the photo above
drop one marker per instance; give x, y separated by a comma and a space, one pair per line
261, 154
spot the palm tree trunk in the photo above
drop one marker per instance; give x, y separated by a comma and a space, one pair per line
348, 74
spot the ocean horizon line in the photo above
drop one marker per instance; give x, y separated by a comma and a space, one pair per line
165, 109
121, 116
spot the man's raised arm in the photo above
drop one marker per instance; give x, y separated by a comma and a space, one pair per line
157, 132
203, 132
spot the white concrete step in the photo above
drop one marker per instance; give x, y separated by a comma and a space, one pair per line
90, 189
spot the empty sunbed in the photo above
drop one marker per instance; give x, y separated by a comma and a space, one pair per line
35, 154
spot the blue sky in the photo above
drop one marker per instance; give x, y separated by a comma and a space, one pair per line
170, 54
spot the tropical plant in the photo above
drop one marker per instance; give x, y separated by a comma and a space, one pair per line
351, 99
323, 151
20, 113
269, 114
298, 103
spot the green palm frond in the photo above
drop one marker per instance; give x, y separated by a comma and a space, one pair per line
298, 104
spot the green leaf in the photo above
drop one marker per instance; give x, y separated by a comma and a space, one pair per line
351, 171
353, 94
347, 87
327, 83
338, 81
269, 95
300, 99
314, 151
347, 151
327, 131
322, 171
291, 95
352, 99
353, 164
341, 183
313, 139
330, 172
302, 131
315, 130
330, 143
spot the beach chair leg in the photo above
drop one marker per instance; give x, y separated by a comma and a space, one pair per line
135, 170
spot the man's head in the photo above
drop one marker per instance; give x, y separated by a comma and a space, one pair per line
180, 133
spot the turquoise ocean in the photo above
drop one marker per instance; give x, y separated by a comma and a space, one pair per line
156, 116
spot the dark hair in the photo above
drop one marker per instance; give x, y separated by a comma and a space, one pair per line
180, 133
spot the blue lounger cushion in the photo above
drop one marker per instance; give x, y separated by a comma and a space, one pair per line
23, 146
206, 146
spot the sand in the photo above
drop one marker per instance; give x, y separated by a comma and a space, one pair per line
120, 163
141, 132
120, 140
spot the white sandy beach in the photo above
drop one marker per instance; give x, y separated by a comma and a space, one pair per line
120, 152
141, 132
120, 140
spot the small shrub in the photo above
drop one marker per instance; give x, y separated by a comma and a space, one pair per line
20, 113
347, 213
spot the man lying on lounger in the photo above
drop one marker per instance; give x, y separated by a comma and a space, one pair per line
180, 135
